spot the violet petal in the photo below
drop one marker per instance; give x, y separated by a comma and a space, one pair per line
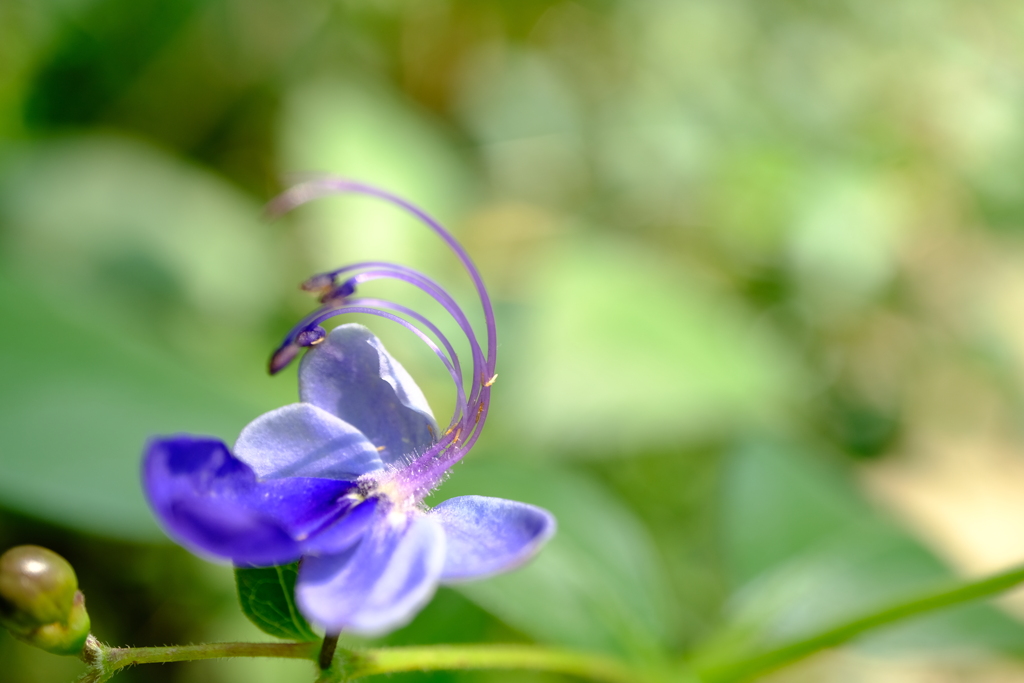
341, 535
380, 583
301, 440
352, 376
486, 536
212, 503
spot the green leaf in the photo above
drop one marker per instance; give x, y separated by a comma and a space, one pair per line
162, 332
267, 595
77, 408
807, 552
598, 585
628, 351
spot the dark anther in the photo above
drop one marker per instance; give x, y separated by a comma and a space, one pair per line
318, 283
337, 295
310, 337
283, 356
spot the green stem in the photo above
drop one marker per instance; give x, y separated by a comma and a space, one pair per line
449, 657
105, 661
771, 660
119, 657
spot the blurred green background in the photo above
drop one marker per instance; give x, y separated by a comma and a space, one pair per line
759, 269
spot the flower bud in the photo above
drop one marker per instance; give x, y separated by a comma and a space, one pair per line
40, 602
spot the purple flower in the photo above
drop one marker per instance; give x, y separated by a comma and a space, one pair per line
338, 480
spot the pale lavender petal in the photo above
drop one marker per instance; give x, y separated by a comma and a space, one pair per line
212, 502
486, 536
379, 584
301, 440
352, 376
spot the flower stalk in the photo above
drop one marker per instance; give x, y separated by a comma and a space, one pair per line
464, 657
346, 665
327, 649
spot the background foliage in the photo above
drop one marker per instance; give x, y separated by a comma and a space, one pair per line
758, 269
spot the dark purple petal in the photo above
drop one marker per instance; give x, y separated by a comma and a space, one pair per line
306, 507
486, 536
301, 440
212, 503
380, 583
352, 376
340, 535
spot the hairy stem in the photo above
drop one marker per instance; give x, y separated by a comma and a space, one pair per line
119, 657
789, 653
450, 657
326, 655
105, 661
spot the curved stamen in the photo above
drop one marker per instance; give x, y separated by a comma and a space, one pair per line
304, 192
307, 333
377, 269
336, 295
427, 468
484, 408
462, 408
422, 319
425, 284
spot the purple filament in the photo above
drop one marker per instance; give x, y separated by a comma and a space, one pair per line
354, 307
300, 194
381, 269
427, 468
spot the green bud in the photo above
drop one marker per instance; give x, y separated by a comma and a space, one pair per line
40, 602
